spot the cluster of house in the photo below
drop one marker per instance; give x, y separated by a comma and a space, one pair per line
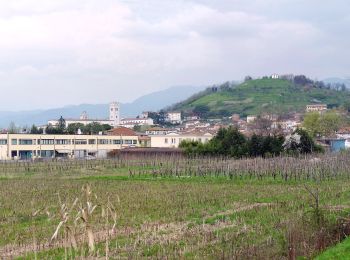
29, 146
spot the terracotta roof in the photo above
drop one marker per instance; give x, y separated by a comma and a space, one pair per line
122, 131
344, 130
160, 129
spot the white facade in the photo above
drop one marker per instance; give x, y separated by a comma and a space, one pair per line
251, 119
173, 117
173, 140
160, 131
316, 108
131, 122
29, 146
114, 113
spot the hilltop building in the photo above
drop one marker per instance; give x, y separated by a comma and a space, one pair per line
316, 108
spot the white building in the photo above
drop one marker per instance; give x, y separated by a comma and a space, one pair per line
132, 122
30, 146
172, 140
173, 117
275, 76
114, 113
159, 131
251, 119
316, 108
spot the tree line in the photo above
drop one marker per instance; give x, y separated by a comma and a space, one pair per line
231, 142
74, 128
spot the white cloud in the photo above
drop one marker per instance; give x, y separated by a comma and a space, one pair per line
105, 46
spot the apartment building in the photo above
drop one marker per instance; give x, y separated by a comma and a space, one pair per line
131, 122
173, 117
29, 146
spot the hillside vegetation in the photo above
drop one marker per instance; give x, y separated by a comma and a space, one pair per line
262, 95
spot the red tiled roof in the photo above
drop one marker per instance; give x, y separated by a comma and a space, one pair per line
122, 131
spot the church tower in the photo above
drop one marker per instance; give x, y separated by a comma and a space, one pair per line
114, 113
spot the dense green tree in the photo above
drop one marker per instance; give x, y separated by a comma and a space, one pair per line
73, 128
301, 142
325, 124
201, 110
54, 130
36, 130
61, 124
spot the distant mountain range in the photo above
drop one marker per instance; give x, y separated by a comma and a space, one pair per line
153, 102
338, 80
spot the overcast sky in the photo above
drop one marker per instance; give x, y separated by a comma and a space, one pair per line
60, 52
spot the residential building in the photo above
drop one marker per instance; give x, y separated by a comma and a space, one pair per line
159, 131
172, 140
316, 108
29, 146
132, 122
251, 119
173, 117
344, 133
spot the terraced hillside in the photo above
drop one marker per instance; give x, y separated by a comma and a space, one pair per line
257, 96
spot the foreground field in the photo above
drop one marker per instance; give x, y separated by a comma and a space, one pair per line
121, 211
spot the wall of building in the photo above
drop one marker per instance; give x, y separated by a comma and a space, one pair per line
173, 140
21, 146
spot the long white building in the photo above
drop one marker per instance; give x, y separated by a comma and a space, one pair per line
28, 146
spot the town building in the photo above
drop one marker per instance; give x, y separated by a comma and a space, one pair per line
251, 119
159, 131
173, 117
173, 140
275, 76
316, 108
132, 122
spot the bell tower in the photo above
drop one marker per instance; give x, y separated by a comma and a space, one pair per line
114, 113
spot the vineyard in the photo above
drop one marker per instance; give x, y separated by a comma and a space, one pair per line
174, 206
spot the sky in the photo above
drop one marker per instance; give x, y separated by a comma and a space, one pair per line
60, 52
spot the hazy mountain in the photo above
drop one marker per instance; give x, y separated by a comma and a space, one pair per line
153, 101
338, 80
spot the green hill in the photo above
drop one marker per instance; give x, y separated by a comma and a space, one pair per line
257, 96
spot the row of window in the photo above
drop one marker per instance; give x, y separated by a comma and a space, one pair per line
66, 141
173, 140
